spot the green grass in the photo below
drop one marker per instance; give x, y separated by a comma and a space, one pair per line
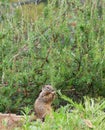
73, 116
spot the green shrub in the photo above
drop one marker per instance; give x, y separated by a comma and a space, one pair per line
63, 47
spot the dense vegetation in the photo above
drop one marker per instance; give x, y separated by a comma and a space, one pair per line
61, 43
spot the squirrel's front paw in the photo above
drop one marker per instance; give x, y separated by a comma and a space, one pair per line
53, 92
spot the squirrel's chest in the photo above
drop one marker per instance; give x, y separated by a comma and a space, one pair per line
48, 107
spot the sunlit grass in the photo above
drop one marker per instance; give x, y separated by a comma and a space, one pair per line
28, 12
31, 12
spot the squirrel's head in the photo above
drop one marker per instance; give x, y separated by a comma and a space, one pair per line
48, 88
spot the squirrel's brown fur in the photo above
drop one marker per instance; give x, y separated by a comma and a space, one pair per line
43, 103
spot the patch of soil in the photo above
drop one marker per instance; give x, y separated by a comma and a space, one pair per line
10, 121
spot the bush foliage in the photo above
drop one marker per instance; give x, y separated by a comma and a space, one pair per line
64, 47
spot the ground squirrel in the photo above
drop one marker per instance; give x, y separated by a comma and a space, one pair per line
43, 103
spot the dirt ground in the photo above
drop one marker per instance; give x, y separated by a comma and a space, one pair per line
10, 121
